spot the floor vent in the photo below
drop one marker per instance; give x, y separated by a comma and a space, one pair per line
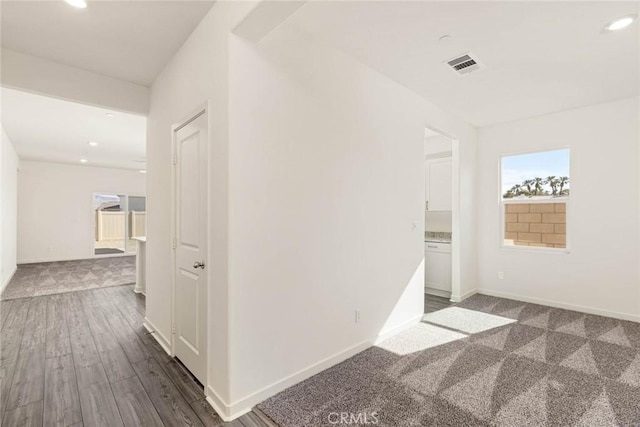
465, 64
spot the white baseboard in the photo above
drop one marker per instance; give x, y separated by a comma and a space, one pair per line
558, 304
72, 258
6, 282
468, 294
437, 292
222, 408
231, 411
459, 298
397, 329
162, 340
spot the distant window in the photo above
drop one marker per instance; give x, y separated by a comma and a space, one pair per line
535, 198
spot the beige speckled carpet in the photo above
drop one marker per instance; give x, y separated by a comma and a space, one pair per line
48, 278
464, 366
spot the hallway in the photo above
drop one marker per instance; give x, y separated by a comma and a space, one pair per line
84, 358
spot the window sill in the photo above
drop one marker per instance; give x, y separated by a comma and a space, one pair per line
516, 248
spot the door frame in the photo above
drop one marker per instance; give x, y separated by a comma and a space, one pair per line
456, 258
203, 109
93, 254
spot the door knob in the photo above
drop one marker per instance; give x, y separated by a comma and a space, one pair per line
198, 264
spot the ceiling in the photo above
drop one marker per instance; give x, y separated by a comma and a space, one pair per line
48, 129
540, 57
127, 40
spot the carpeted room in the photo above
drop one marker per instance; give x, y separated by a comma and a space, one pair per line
316, 208
544, 367
37, 279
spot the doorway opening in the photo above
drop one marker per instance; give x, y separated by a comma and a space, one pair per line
118, 220
441, 198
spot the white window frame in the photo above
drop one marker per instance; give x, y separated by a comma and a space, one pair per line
504, 202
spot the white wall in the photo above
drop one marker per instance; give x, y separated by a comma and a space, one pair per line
38, 75
601, 273
55, 207
9, 164
197, 73
297, 217
326, 179
439, 221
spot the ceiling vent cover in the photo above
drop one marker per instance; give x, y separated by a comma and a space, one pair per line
465, 64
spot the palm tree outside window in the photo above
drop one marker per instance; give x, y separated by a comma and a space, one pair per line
535, 193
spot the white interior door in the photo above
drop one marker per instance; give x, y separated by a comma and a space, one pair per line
190, 309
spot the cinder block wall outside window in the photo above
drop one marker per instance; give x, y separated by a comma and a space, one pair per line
536, 224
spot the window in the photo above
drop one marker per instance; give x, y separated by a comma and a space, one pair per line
535, 198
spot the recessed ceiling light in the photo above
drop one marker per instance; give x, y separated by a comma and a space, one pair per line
80, 4
92, 143
110, 115
620, 23
83, 160
142, 171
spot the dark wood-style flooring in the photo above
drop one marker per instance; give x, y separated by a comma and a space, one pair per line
433, 303
84, 359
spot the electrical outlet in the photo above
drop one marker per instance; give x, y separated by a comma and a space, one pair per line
357, 316
500, 275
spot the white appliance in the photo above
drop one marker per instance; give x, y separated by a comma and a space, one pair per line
437, 267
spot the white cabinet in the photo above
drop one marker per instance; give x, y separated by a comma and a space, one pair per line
438, 185
141, 262
437, 268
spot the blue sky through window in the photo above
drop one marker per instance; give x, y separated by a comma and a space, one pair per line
516, 169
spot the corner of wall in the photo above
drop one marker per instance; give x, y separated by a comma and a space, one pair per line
8, 279
231, 411
164, 342
462, 297
9, 164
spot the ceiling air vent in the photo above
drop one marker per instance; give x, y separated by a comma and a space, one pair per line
465, 64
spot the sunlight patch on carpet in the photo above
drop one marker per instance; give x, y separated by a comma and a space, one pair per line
419, 337
469, 321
